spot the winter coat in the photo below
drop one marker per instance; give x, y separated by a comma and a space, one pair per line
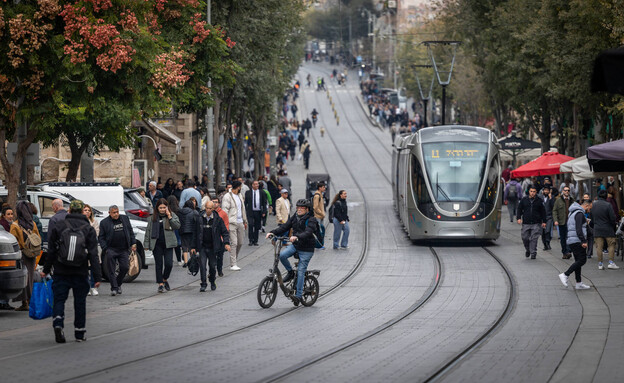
560, 210
91, 243
188, 218
220, 233
531, 211
603, 218
577, 225
519, 192
341, 210
106, 232
304, 232
169, 225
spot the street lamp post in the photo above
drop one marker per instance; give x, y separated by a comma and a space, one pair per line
372, 19
425, 99
210, 126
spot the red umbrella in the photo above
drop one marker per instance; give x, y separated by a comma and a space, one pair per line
546, 164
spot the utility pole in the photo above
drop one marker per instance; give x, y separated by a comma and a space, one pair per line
425, 99
210, 128
437, 70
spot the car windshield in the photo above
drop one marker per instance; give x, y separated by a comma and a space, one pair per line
455, 169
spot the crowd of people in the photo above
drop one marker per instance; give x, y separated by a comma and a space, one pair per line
582, 223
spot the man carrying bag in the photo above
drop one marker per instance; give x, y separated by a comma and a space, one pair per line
72, 246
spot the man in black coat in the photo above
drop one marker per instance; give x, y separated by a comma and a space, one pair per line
549, 202
116, 240
212, 239
68, 275
604, 221
532, 216
256, 208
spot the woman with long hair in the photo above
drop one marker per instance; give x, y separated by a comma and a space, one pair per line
341, 220
174, 205
88, 212
168, 188
20, 229
161, 239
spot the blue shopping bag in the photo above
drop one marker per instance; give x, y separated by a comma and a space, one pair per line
42, 300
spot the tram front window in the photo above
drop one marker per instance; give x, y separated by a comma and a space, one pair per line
455, 169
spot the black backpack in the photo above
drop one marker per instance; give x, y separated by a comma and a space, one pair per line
512, 193
319, 235
72, 249
330, 213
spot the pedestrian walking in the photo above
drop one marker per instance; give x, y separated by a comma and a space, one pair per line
212, 238
189, 217
532, 216
560, 217
72, 251
548, 202
154, 194
340, 220
255, 206
116, 239
577, 240
604, 222
286, 182
512, 194
318, 205
303, 225
161, 240
189, 192
26, 233
234, 206
306, 151
88, 212
282, 208
226, 222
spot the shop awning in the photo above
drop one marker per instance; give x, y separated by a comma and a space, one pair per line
163, 133
607, 157
547, 164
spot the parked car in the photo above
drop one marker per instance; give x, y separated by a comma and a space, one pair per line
13, 275
135, 206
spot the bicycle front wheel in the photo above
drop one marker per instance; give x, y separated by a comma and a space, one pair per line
310, 291
267, 292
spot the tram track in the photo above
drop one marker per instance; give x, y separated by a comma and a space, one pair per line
453, 361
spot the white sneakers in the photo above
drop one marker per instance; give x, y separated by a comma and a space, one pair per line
581, 286
235, 268
613, 266
94, 291
564, 279
600, 266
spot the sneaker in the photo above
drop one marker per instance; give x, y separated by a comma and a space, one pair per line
167, 287
220, 273
564, 279
613, 266
180, 263
344, 248
113, 293
290, 275
600, 266
336, 248
23, 307
296, 301
89, 293
59, 336
161, 289
213, 286
322, 248
581, 286
184, 265
94, 291
202, 289
119, 290
81, 338
527, 254
235, 268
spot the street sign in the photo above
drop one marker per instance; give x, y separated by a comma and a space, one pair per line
32, 154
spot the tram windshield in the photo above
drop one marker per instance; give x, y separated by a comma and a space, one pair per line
455, 169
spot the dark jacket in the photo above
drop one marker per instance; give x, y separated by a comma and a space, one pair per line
188, 218
106, 232
220, 234
531, 211
304, 232
561, 208
603, 218
156, 197
341, 210
548, 206
58, 216
249, 202
54, 237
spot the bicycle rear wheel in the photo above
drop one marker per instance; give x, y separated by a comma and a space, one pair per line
267, 292
310, 291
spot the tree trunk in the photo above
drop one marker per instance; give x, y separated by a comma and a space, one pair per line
12, 170
76, 156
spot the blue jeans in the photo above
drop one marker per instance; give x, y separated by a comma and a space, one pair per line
341, 229
304, 259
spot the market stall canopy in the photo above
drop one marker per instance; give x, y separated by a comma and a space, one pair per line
547, 164
579, 167
608, 75
607, 157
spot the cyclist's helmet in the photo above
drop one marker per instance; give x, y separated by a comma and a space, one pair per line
304, 203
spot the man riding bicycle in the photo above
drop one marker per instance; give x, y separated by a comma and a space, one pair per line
303, 225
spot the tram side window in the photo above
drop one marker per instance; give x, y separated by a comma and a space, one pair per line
419, 184
491, 187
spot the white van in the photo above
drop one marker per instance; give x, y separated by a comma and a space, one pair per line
100, 195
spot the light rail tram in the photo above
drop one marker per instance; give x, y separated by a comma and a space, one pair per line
447, 184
